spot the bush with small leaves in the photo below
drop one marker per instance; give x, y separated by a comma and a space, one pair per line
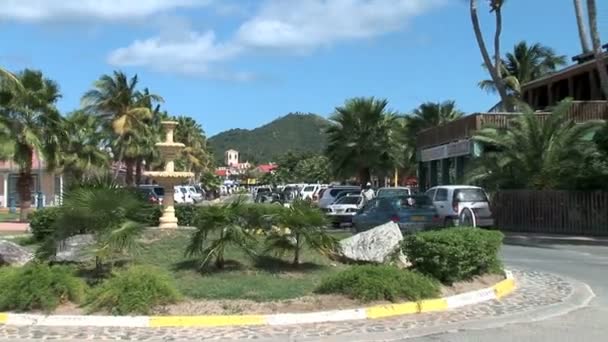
42, 222
39, 287
136, 290
379, 282
454, 254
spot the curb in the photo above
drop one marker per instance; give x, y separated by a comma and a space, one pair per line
497, 291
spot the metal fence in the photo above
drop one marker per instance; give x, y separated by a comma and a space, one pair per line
554, 212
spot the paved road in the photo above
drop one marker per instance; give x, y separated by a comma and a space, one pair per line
586, 263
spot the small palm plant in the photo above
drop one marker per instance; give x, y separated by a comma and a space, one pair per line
218, 227
114, 215
302, 224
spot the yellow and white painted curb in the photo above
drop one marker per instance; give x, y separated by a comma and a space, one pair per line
497, 291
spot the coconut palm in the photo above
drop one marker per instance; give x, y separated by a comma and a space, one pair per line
494, 68
359, 140
123, 108
84, 153
218, 227
524, 64
534, 153
582, 29
194, 156
597, 46
299, 225
32, 125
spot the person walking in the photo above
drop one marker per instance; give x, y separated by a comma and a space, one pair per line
368, 193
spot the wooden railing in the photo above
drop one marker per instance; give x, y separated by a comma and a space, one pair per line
553, 212
464, 127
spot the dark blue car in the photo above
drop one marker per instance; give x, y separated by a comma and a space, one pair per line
412, 213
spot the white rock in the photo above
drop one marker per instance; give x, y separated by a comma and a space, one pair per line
76, 248
11, 254
377, 245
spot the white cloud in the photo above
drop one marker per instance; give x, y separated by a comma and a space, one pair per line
294, 26
48, 10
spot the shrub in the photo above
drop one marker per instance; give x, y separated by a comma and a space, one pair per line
185, 214
371, 282
135, 290
455, 254
38, 287
42, 221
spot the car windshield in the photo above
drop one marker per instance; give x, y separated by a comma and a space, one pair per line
414, 202
183, 190
470, 195
309, 189
393, 192
349, 200
159, 191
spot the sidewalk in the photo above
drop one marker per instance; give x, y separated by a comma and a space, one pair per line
13, 227
554, 239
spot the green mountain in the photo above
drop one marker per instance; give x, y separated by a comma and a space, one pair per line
294, 132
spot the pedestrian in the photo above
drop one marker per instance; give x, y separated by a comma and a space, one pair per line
368, 193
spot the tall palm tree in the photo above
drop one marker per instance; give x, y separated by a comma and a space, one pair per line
84, 152
524, 64
359, 140
9, 78
582, 29
495, 67
33, 126
194, 157
116, 100
532, 153
597, 46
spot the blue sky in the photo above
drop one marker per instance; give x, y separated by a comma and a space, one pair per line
242, 63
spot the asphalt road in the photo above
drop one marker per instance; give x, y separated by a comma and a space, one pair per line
585, 261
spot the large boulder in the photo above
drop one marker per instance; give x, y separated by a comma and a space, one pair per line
11, 254
77, 248
378, 245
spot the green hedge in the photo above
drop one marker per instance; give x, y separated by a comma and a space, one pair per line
42, 221
454, 254
379, 282
38, 287
136, 290
184, 212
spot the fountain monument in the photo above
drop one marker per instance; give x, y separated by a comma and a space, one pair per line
169, 150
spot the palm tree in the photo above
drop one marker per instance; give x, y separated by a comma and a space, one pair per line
33, 126
493, 67
597, 46
115, 216
9, 78
582, 29
218, 227
118, 102
194, 157
84, 153
305, 225
524, 64
533, 153
359, 140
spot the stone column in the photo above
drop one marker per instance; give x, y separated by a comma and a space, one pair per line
168, 219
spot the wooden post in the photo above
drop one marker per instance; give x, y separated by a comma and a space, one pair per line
396, 177
593, 85
550, 94
571, 88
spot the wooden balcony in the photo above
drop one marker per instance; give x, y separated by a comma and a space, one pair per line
465, 127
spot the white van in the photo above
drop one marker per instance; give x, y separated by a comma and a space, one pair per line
451, 200
329, 195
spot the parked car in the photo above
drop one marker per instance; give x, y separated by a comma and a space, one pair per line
309, 190
149, 194
329, 195
343, 210
181, 195
158, 190
411, 213
451, 200
194, 194
394, 191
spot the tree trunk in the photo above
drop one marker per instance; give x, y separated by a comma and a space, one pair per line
129, 176
364, 175
24, 187
496, 77
296, 254
582, 29
138, 170
597, 47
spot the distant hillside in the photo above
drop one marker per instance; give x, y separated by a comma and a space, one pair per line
292, 132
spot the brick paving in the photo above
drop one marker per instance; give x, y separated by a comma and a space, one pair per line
534, 290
